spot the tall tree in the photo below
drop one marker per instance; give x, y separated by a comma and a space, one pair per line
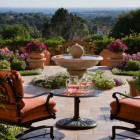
64, 24
126, 24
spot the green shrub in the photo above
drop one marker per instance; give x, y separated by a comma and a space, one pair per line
133, 43
101, 44
55, 81
4, 64
137, 82
133, 65
7, 132
116, 71
18, 65
102, 81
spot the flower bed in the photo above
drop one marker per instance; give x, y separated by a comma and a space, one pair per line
12, 60
100, 81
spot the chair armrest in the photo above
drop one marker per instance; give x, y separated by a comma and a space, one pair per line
50, 95
44, 93
115, 95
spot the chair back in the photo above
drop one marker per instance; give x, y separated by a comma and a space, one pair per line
10, 87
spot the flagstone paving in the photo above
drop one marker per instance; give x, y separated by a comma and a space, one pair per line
96, 108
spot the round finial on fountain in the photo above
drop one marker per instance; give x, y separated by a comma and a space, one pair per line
77, 51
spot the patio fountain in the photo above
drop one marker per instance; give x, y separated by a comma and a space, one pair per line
77, 62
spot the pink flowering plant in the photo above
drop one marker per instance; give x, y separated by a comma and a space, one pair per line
35, 46
117, 46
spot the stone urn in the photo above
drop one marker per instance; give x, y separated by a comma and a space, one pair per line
77, 51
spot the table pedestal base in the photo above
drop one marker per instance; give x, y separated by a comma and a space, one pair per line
82, 123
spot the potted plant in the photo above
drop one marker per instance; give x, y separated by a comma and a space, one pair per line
137, 84
35, 49
117, 48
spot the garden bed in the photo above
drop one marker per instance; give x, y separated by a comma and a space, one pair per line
100, 80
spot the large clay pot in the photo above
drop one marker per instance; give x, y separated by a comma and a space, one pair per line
48, 58
36, 63
118, 55
105, 54
132, 89
36, 55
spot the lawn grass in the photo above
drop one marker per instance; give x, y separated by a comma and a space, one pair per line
31, 72
127, 73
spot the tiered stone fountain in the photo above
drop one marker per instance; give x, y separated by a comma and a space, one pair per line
76, 62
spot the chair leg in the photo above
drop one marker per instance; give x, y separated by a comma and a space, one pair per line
113, 133
123, 128
31, 129
51, 133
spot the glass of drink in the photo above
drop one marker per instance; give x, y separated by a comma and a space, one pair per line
89, 83
72, 84
83, 84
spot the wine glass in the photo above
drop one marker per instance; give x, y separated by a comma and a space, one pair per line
89, 83
72, 84
83, 84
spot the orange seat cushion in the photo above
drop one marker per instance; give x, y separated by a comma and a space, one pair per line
35, 108
129, 109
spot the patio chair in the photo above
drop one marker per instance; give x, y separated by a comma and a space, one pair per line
128, 110
22, 109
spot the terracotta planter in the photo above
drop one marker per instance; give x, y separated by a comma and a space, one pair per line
114, 62
36, 63
133, 91
48, 58
105, 54
119, 55
36, 55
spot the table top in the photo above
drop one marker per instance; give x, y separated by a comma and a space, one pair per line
64, 93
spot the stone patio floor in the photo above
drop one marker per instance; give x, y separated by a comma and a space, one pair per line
96, 108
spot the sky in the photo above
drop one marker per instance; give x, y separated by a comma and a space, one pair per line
69, 3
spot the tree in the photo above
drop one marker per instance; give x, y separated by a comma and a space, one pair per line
126, 24
16, 31
65, 24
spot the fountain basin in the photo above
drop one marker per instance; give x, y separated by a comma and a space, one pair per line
77, 66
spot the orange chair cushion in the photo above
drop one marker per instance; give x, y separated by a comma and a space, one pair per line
129, 109
35, 108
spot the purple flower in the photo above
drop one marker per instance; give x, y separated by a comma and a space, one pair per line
35, 46
117, 46
118, 82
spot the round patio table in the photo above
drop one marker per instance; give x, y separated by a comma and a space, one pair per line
76, 122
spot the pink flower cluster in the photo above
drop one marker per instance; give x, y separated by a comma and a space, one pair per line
117, 46
133, 56
35, 47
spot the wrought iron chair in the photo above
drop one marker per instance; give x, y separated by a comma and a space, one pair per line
128, 110
22, 109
